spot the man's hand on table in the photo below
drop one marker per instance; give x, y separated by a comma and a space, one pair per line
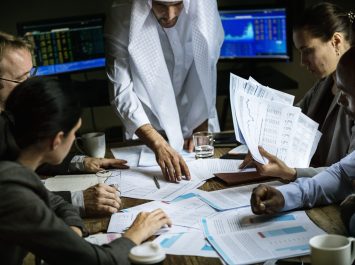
266, 200
93, 165
171, 163
101, 199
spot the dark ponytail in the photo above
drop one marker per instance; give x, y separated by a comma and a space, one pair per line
40, 108
323, 20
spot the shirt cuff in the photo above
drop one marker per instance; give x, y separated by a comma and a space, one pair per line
308, 172
77, 199
292, 196
77, 164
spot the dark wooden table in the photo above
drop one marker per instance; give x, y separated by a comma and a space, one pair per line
327, 217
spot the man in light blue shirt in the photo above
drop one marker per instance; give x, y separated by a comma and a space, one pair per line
330, 186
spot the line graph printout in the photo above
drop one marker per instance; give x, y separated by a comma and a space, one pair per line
252, 87
243, 238
264, 117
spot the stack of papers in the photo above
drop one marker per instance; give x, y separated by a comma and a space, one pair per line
240, 237
265, 117
205, 169
208, 224
231, 198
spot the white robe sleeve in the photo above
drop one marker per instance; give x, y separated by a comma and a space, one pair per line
123, 97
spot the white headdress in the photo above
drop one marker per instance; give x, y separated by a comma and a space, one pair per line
186, 3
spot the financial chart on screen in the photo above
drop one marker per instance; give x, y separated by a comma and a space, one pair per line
66, 45
258, 33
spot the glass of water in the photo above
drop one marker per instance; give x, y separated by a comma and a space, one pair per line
203, 142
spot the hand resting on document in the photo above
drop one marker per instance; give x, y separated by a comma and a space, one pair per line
274, 168
93, 165
101, 199
171, 163
146, 224
266, 200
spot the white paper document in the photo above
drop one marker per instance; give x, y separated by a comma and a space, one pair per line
82, 181
185, 215
129, 153
251, 87
185, 212
71, 182
138, 182
265, 117
206, 168
240, 237
241, 149
187, 244
231, 198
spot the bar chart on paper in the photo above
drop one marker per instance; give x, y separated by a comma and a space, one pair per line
192, 243
240, 237
282, 232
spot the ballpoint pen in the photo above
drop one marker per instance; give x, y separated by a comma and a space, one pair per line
156, 182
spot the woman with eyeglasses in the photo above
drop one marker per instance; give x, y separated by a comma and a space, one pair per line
15, 67
44, 115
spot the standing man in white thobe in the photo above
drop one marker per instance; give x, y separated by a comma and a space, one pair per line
161, 63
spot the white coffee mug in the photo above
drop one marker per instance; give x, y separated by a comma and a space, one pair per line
332, 249
92, 144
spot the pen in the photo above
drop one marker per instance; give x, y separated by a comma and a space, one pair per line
156, 182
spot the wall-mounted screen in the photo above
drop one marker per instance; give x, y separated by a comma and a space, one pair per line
66, 45
260, 33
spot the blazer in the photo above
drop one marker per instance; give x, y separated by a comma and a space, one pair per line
9, 150
337, 128
33, 219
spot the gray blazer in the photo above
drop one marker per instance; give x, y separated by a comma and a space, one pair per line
33, 219
337, 127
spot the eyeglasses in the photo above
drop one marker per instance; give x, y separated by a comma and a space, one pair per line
112, 178
32, 73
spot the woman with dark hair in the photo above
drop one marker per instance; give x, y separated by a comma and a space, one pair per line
44, 117
322, 34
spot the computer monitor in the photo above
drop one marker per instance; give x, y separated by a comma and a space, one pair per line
256, 34
66, 45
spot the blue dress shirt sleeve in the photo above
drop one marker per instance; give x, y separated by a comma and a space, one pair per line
329, 186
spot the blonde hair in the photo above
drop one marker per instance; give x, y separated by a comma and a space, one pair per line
8, 41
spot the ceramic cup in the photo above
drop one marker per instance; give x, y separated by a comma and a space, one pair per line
92, 144
332, 249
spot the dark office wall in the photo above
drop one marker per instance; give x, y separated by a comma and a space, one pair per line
12, 11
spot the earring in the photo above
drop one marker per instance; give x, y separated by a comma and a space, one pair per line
337, 52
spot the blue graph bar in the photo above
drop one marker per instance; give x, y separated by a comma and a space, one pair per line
294, 248
168, 242
282, 231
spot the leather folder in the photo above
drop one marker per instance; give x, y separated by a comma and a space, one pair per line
236, 178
